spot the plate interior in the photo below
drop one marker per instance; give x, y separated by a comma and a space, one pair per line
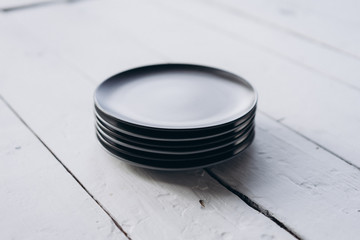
174, 96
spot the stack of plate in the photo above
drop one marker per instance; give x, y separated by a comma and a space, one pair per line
175, 116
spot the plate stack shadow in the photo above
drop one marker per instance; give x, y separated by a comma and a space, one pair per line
175, 116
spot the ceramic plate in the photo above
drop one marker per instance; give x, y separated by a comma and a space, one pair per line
175, 97
156, 156
207, 149
176, 165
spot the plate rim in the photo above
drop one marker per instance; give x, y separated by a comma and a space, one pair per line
185, 65
241, 126
144, 166
239, 137
169, 158
175, 145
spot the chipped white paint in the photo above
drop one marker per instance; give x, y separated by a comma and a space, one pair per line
302, 185
39, 199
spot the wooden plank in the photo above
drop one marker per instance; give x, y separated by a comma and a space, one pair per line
333, 33
304, 186
39, 199
346, 11
57, 103
285, 88
331, 64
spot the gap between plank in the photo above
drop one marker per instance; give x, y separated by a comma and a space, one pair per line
238, 38
273, 25
34, 5
235, 37
226, 8
252, 204
66, 168
243, 197
279, 121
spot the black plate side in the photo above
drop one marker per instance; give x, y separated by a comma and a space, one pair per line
169, 157
177, 165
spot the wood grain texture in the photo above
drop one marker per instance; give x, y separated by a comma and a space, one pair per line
39, 199
335, 66
307, 188
304, 21
146, 204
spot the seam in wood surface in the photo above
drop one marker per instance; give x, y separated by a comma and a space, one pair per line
226, 8
313, 70
265, 22
266, 49
279, 121
35, 5
252, 204
242, 196
66, 168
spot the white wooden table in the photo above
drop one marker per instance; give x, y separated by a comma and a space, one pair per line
299, 180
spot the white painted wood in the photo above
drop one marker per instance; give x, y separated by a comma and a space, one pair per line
332, 64
13, 4
39, 199
325, 30
285, 89
345, 10
56, 101
304, 186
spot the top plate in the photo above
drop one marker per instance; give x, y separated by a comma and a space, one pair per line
175, 96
